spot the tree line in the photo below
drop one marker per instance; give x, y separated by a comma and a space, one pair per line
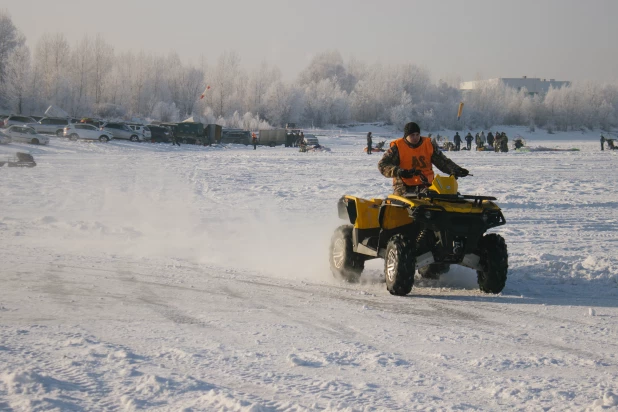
91, 78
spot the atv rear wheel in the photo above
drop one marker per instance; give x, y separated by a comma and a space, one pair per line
345, 264
399, 265
495, 263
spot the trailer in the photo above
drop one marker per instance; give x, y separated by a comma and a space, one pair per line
213, 133
190, 133
237, 136
275, 137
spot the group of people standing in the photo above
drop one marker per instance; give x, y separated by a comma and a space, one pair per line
498, 142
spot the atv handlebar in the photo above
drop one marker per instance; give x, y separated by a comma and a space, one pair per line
457, 177
427, 183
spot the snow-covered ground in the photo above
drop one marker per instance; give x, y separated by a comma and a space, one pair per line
146, 276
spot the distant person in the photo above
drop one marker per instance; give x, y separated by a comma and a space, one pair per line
602, 142
518, 144
504, 146
175, 140
457, 140
469, 139
497, 142
302, 146
254, 140
490, 139
369, 143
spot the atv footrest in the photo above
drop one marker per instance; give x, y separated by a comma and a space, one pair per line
371, 242
424, 260
365, 250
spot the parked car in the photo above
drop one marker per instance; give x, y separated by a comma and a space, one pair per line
143, 130
18, 120
238, 136
4, 138
87, 131
94, 122
50, 125
311, 140
122, 131
159, 134
26, 134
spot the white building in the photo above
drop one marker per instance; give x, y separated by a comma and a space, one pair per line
533, 85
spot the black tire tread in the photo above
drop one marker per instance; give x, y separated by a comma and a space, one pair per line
406, 265
354, 263
495, 262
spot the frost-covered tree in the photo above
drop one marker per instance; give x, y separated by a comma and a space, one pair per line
119, 85
325, 103
16, 78
191, 86
283, 104
403, 112
103, 61
89, 78
165, 112
52, 57
10, 39
80, 72
223, 77
260, 81
327, 66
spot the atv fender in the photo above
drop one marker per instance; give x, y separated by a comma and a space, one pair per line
362, 213
346, 207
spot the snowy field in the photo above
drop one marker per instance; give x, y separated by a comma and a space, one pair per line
146, 276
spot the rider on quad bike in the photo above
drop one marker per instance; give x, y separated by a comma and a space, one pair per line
409, 161
426, 225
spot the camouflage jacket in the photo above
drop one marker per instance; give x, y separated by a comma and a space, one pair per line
389, 165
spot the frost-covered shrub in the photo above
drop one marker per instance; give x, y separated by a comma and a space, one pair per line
166, 112
109, 111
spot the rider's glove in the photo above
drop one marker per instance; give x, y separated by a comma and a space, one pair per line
407, 173
461, 172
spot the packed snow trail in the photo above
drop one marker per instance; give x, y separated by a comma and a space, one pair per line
151, 277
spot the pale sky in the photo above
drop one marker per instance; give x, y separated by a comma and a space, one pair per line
560, 39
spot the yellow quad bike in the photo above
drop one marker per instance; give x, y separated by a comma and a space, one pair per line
433, 228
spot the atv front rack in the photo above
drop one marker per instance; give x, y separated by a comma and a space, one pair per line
435, 196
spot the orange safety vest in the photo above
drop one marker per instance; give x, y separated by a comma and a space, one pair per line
415, 158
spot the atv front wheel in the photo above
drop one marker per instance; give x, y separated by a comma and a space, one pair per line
399, 265
345, 264
494, 262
